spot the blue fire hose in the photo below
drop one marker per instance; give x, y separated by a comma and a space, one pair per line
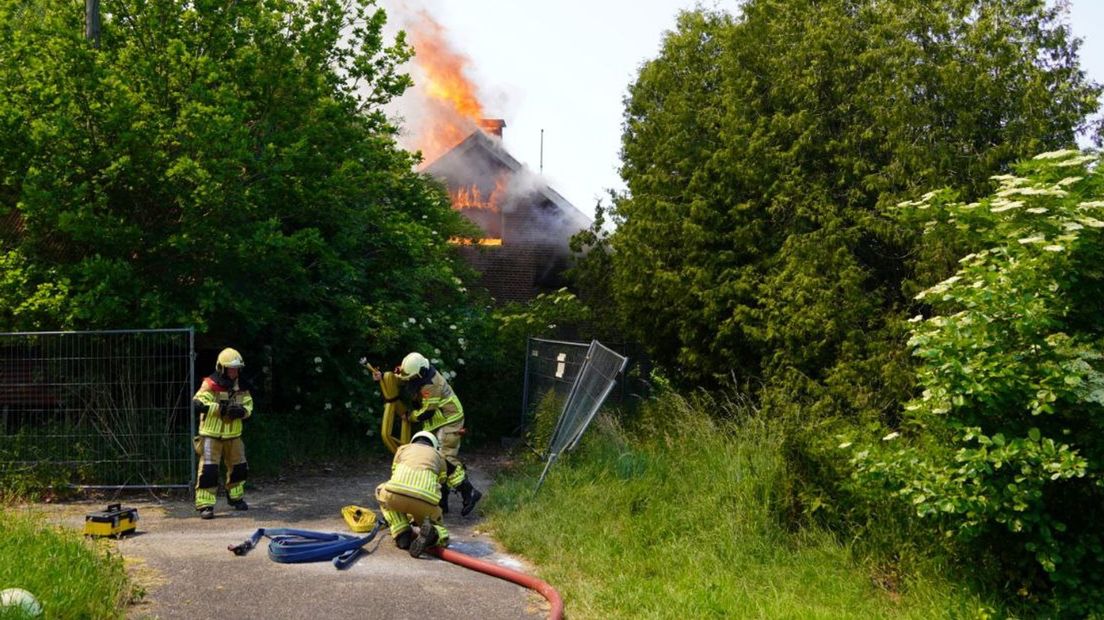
291, 546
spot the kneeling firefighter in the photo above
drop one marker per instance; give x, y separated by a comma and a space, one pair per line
440, 411
414, 492
222, 402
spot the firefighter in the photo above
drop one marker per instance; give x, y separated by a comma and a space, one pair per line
414, 493
222, 402
438, 408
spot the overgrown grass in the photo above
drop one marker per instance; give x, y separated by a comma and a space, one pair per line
70, 577
686, 517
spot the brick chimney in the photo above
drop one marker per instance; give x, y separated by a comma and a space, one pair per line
492, 126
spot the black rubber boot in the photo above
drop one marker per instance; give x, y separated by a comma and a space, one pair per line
427, 537
239, 504
402, 541
444, 498
470, 494
207, 512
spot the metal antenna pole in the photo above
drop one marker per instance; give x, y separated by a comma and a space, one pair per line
542, 153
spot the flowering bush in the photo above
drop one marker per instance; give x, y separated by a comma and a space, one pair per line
1002, 450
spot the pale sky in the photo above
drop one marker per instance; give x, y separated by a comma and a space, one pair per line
565, 67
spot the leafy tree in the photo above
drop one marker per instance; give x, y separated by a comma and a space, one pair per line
224, 165
760, 148
1003, 450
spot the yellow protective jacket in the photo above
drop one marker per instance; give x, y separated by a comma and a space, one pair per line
440, 405
216, 392
417, 471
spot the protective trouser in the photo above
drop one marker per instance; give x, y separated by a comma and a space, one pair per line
401, 510
211, 452
448, 437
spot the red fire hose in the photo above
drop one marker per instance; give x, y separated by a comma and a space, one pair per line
494, 570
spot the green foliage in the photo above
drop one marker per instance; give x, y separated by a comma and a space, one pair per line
227, 166
759, 149
1002, 451
70, 576
682, 513
496, 372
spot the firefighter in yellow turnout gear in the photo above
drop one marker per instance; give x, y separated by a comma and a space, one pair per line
413, 493
222, 402
439, 410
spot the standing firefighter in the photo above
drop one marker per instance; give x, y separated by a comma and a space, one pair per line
438, 408
413, 493
222, 402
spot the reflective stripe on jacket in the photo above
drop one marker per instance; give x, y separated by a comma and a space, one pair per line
213, 392
438, 398
418, 471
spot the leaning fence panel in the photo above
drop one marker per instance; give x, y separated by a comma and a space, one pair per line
106, 409
596, 377
551, 367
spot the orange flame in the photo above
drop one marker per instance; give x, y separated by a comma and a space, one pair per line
486, 242
455, 107
471, 197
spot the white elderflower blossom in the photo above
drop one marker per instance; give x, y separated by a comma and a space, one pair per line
1058, 154
1053, 248
1068, 181
1032, 239
318, 360
1000, 206
328, 406
1076, 161
891, 436
1037, 210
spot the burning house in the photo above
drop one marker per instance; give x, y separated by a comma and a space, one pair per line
526, 225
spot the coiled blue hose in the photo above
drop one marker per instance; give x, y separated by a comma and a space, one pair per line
291, 546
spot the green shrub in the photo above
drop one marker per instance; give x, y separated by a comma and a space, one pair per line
1003, 451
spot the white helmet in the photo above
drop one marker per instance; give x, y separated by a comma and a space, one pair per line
428, 435
411, 365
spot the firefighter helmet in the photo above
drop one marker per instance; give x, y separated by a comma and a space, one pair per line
426, 435
228, 358
412, 365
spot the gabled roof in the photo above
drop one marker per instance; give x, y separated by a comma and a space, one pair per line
480, 144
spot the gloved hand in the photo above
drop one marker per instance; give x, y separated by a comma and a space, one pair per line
235, 411
199, 406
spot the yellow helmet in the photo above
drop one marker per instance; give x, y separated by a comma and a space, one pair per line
426, 435
411, 365
229, 358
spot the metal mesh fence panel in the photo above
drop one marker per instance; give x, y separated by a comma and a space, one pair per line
595, 379
551, 367
107, 409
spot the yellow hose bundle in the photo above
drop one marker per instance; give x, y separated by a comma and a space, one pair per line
393, 408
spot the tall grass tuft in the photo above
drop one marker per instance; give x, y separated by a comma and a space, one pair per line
70, 577
683, 512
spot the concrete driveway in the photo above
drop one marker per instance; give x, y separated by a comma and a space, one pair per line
184, 565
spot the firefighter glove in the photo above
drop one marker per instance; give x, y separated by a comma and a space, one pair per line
235, 411
199, 406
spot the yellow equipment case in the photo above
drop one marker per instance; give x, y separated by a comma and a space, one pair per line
112, 521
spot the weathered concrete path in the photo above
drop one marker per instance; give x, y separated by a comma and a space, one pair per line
187, 571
